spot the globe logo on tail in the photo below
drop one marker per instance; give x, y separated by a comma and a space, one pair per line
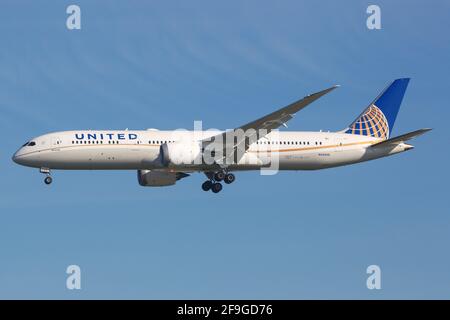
371, 123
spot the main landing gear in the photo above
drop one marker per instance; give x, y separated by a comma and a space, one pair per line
48, 179
214, 184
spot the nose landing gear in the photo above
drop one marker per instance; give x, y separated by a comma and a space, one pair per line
214, 184
48, 179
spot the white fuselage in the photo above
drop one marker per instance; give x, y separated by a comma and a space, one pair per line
134, 150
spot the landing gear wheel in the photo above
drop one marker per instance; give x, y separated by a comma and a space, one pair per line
206, 186
229, 178
218, 176
48, 180
216, 187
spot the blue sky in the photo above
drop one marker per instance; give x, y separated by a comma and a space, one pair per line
164, 64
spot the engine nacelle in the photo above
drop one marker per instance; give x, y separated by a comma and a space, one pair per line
148, 178
180, 153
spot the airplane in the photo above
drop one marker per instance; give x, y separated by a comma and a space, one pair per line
161, 158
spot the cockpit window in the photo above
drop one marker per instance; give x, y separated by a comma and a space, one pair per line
30, 144
25, 144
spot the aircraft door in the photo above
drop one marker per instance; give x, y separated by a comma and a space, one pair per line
56, 142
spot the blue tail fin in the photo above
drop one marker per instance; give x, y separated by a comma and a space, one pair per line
378, 119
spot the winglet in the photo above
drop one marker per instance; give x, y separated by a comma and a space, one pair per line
314, 96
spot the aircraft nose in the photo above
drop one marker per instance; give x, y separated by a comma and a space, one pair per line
16, 156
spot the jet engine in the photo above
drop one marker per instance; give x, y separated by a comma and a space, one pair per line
180, 153
157, 178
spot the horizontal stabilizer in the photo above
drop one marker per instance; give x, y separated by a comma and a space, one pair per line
402, 138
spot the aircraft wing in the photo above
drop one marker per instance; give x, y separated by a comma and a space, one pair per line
262, 126
401, 138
